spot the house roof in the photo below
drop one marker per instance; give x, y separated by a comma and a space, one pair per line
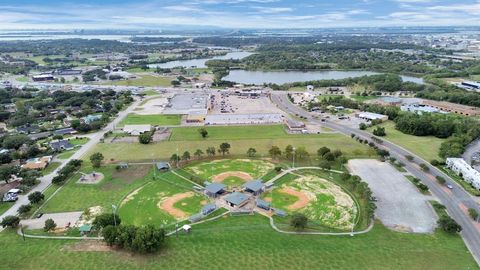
215, 187
137, 128
62, 144
263, 204
64, 131
207, 208
254, 185
236, 198
162, 165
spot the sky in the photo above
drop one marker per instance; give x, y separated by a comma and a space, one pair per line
236, 14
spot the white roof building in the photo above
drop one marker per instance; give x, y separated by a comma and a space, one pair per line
419, 109
372, 116
464, 170
136, 129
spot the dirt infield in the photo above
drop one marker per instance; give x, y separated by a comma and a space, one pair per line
303, 199
91, 178
167, 205
222, 176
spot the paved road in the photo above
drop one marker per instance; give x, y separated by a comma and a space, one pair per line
46, 180
456, 200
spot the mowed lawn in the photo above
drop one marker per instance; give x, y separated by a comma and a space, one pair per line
427, 147
164, 150
241, 138
248, 242
152, 119
111, 190
142, 205
144, 80
232, 133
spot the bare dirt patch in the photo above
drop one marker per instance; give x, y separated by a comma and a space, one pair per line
88, 245
222, 176
167, 205
132, 173
303, 199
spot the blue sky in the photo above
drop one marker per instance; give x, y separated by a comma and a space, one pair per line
89, 14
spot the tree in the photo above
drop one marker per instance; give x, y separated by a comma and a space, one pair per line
441, 180
175, 159
329, 156
96, 159
302, 153
337, 153
7, 171
224, 148
186, 155
175, 83
10, 221
379, 131
203, 132
322, 151
472, 212
424, 167
198, 154
109, 234
362, 126
251, 152
211, 151
409, 157
298, 221
449, 225
145, 138
148, 239
275, 152
23, 209
106, 219
49, 225
324, 165
289, 152
36, 197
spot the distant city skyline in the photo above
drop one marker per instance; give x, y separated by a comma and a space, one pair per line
127, 14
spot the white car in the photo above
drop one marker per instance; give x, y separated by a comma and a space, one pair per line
449, 186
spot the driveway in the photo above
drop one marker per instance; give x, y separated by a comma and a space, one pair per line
400, 205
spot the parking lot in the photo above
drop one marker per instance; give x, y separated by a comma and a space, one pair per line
61, 219
222, 103
400, 206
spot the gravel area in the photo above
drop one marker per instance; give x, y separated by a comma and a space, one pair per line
400, 206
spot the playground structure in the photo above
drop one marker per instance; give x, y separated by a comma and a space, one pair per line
90, 178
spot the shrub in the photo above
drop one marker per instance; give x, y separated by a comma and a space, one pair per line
424, 167
441, 180
10, 221
449, 225
298, 221
49, 225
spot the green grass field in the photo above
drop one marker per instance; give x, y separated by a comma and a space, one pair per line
164, 150
427, 147
232, 133
111, 190
248, 242
330, 207
205, 170
4, 206
141, 206
51, 167
144, 80
152, 119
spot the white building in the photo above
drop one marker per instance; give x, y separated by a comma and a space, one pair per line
310, 88
464, 170
372, 116
136, 130
419, 109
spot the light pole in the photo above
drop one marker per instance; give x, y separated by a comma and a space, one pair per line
114, 210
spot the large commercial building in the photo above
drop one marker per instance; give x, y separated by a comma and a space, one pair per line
464, 170
372, 116
419, 108
243, 119
452, 107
